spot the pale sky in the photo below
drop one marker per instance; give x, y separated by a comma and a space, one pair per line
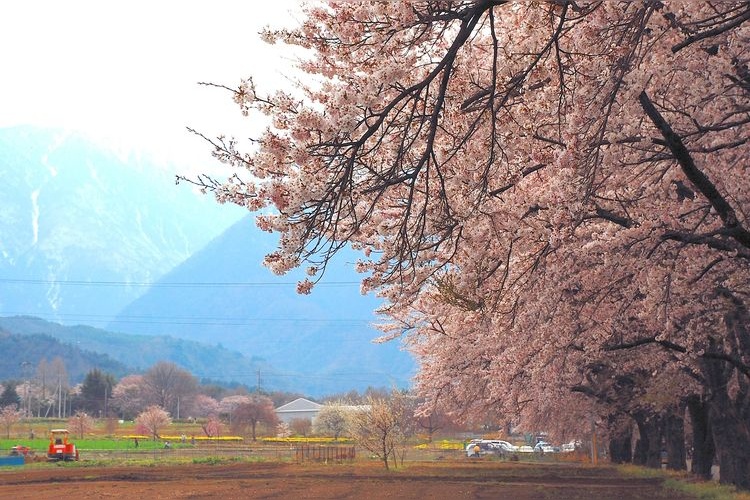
125, 73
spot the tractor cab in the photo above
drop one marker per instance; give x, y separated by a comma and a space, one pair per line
60, 448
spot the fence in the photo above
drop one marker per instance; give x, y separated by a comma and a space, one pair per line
318, 453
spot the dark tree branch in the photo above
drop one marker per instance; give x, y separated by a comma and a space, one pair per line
645, 341
735, 361
738, 20
701, 182
708, 240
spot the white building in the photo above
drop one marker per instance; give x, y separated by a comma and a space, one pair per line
300, 408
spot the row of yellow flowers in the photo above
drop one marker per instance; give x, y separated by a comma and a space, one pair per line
188, 439
441, 445
306, 440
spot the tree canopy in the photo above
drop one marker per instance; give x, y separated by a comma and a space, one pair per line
551, 197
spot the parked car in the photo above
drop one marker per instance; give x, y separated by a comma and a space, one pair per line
544, 447
572, 446
480, 447
504, 446
525, 449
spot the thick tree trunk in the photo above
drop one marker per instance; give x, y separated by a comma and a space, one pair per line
640, 454
648, 446
732, 437
703, 441
730, 423
620, 448
674, 438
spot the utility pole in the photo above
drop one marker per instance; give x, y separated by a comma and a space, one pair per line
257, 387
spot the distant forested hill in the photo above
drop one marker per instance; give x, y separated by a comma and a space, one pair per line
136, 351
22, 354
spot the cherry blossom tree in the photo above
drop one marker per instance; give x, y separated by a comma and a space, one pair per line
81, 423
9, 416
204, 406
332, 420
130, 395
152, 420
381, 427
229, 404
549, 197
258, 409
212, 426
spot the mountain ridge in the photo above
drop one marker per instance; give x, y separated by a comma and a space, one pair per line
89, 237
74, 212
323, 340
140, 352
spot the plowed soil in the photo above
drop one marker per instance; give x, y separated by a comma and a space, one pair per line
366, 480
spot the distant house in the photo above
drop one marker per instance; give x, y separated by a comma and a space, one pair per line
299, 408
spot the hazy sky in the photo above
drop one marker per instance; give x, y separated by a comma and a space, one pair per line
125, 73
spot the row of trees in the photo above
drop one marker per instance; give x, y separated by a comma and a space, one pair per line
165, 385
382, 425
552, 198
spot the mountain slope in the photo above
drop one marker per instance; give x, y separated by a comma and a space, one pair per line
29, 350
138, 351
70, 211
319, 343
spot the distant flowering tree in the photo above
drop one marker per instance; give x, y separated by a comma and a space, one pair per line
283, 430
229, 404
212, 427
332, 420
152, 420
9, 416
130, 395
81, 423
204, 406
258, 409
379, 426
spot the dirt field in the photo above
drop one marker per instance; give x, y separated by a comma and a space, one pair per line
450, 480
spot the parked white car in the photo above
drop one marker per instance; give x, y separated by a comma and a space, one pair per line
544, 447
480, 447
572, 446
504, 446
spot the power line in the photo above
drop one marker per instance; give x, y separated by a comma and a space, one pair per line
185, 284
182, 320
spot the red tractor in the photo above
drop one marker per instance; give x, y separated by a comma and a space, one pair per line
59, 446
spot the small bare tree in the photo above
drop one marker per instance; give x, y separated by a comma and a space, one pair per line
300, 426
380, 427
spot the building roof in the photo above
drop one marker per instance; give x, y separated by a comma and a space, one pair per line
299, 404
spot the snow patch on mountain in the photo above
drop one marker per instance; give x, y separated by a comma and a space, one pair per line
35, 216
